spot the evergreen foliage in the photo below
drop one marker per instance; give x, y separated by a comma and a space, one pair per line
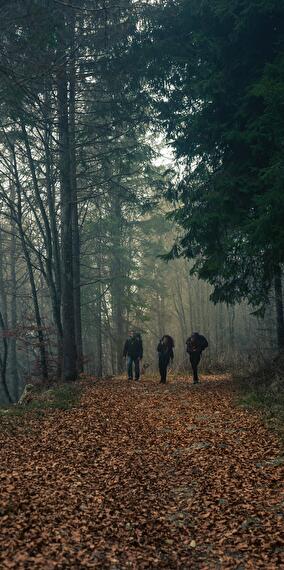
215, 70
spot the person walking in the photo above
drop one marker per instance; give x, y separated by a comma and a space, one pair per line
166, 354
133, 351
195, 344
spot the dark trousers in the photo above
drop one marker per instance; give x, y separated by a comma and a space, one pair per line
130, 362
163, 365
194, 361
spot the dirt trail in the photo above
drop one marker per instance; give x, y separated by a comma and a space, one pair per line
143, 476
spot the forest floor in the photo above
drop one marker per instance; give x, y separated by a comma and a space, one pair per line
140, 475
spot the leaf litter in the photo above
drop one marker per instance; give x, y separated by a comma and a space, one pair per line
122, 481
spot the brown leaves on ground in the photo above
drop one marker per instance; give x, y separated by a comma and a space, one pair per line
142, 476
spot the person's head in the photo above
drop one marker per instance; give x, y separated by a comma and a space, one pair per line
167, 340
194, 337
131, 333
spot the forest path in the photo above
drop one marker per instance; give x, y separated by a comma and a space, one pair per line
141, 475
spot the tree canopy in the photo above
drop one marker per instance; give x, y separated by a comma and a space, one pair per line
214, 70
91, 94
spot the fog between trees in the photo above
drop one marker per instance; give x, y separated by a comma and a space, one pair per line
154, 297
84, 216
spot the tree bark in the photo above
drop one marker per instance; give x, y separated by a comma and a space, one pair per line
13, 340
45, 227
3, 292
3, 360
99, 363
55, 265
75, 214
3, 326
69, 371
99, 306
41, 340
117, 279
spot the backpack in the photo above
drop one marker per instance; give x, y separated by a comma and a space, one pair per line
201, 343
169, 341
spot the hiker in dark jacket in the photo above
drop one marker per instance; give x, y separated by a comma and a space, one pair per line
133, 351
195, 344
166, 354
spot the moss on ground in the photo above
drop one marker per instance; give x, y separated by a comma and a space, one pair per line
59, 397
266, 394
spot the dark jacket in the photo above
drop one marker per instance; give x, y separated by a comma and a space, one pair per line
165, 350
133, 347
196, 344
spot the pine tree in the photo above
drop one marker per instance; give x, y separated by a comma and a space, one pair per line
215, 70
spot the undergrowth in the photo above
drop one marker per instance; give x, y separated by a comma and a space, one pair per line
60, 397
264, 390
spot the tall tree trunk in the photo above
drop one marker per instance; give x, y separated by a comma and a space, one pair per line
231, 321
49, 235
55, 266
75, 215
99, 306
68, 318
279, 306
3, 292
109, 328
190, 305
179, 306
117, 279
3, 326
99, 362
41, 340
13, 340
3, 359
220, 321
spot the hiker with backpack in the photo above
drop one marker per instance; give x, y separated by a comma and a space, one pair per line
195, 345
166, 354
133, 351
